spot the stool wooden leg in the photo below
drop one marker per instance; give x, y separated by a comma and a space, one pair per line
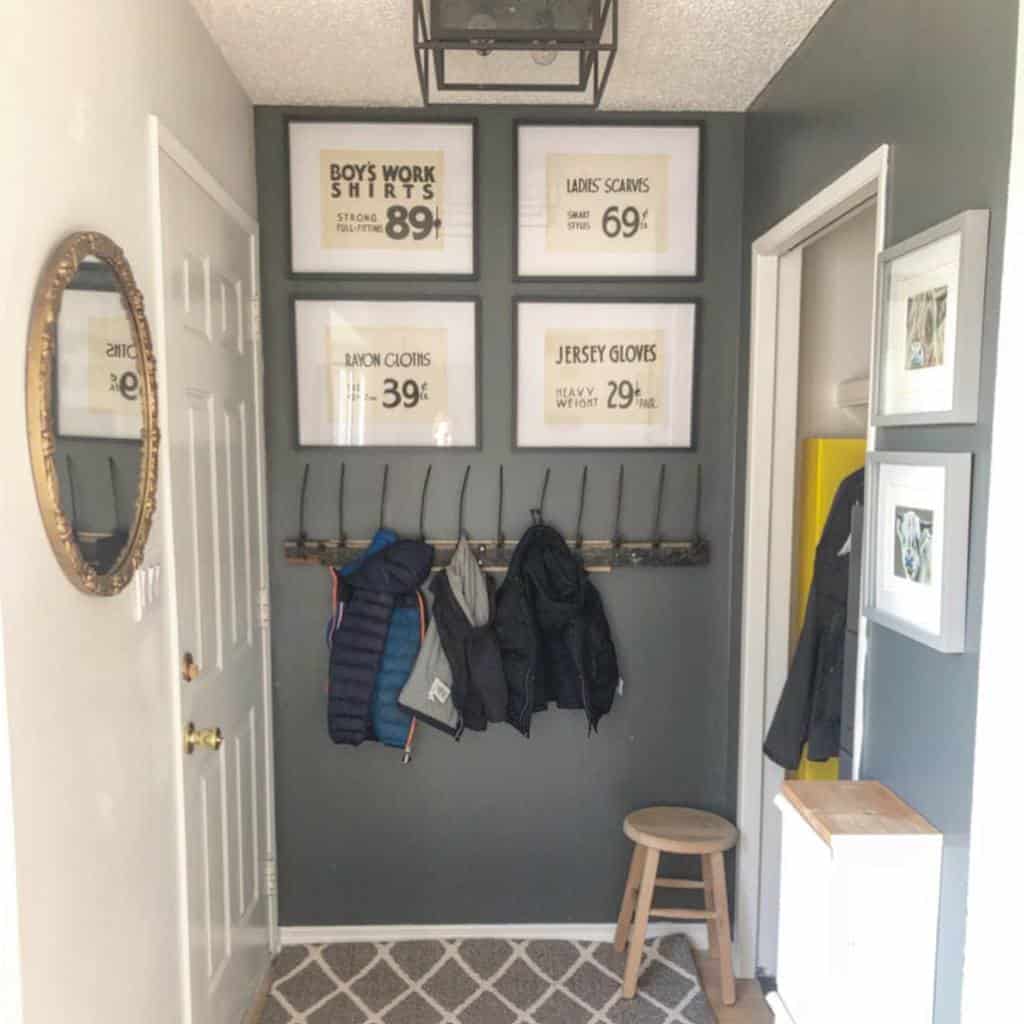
709, 900
639, 932
724, 935
636, 866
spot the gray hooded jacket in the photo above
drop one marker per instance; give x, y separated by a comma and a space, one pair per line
428, 692
461, 617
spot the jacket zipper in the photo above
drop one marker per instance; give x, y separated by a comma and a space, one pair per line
577, 659
528, 704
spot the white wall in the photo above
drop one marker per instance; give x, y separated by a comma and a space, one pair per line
10, 962
835, 325
995, 890
92, 742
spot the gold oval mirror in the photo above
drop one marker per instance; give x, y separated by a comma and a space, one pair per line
92, 411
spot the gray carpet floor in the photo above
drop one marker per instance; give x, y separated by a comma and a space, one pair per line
483, 981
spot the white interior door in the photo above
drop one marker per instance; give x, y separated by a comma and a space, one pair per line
214, 446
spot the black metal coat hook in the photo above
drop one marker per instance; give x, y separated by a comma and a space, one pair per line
112, 466
303, 536
70, 464
656, 531
423, 501
537, 514
579, 511
341, 505
383, 496
617, 535
696, 503
501, 506
462, 503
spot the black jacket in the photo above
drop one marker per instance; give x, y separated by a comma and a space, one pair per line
478, 679
555, 641
810, 707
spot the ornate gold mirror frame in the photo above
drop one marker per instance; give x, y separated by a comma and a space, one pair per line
41, 416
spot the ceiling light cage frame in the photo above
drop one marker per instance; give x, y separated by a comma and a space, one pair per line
594, 50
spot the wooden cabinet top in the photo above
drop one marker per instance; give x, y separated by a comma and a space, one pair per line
854, 809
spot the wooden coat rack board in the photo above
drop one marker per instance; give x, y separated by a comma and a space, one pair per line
495, 555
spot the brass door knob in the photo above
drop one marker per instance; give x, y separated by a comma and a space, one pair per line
210, 738
189, 667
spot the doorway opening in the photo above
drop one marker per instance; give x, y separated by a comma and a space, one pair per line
812, 306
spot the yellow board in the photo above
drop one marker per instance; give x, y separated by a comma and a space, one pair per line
827, 462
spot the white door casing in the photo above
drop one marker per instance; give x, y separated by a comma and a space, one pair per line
780, 574
208, 343
768, 531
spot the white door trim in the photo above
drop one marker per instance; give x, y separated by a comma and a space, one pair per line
188, 162
768, 526
162, 140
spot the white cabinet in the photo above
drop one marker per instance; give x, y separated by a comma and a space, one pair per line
858, 908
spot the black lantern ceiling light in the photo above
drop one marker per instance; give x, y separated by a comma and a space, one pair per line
581, 31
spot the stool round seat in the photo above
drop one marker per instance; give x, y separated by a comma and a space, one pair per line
680, 830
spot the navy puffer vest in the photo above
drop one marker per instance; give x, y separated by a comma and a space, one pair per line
375, 645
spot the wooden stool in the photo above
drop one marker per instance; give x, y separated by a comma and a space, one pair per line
658, 830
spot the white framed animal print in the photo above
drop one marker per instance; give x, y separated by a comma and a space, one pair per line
918, 524
931, 299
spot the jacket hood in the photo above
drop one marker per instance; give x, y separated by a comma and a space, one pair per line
398, 568
469, 585
381, 539
554, 575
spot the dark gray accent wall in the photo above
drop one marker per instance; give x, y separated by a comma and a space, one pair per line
935, 80
496, 828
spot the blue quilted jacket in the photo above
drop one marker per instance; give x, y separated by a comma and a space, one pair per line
374, 646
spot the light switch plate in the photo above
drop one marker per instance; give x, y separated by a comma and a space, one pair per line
146, 590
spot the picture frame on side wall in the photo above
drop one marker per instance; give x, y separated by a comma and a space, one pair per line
611, 375
609, 200
387, 373
918, 523
383, 197
931, 305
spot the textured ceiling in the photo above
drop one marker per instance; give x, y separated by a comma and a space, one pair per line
673, 54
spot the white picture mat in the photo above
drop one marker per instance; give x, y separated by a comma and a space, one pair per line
910, 487
314, 318
928, 389
306, 140
677, 320
682, 145
74, 417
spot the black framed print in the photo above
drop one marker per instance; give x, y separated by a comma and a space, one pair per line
396, 373
608, 200
605, 374
383, 197
97, 381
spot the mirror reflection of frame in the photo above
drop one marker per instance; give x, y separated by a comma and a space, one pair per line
91, 409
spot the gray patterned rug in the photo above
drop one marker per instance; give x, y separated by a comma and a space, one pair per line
483, 981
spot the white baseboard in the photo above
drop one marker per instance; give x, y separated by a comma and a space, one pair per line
312, 935
778, 1008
